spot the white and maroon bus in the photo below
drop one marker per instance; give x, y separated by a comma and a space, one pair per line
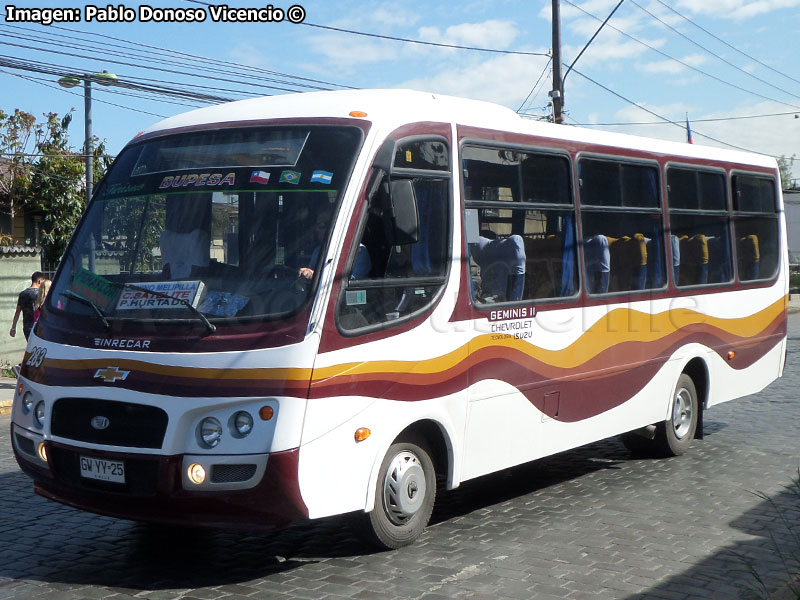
308, 305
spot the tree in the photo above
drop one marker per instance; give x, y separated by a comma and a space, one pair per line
46, 174
785, 167
19, 134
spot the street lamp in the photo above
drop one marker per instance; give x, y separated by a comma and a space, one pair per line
70, 81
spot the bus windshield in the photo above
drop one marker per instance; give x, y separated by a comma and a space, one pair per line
209, 225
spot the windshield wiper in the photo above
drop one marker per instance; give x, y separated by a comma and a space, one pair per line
90, 304
209, 325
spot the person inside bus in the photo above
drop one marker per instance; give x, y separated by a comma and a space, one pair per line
185, 242
598, 263
502, 264
675, 245
362, 265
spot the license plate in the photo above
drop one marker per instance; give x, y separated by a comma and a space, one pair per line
103, 470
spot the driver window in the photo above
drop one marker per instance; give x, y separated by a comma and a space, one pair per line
394, 275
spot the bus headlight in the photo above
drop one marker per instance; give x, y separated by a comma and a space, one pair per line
210, 431
38, 413
243, 423
27, 402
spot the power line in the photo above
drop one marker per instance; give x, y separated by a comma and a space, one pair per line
76, 94
731, 46
184, 55
138, 56
680, 62
535, 85
128, 63
422, 42
717, 120
665, 119
146, 94
714, 54
405, 40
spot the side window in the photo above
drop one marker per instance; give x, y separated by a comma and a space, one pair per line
756, 230
400, 262
520, 225
698, 220
623, 240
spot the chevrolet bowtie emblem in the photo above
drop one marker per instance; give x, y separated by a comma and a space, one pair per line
111, 374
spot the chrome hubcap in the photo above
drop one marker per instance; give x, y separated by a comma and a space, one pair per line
403, 487
682, 413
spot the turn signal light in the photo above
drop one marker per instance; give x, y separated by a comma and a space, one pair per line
266, 413
358, 113
731, 354
20, 387
362, 433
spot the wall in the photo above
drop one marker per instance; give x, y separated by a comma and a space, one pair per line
16, 266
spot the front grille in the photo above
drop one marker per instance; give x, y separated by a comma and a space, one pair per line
141, 474
133, 425
232, 473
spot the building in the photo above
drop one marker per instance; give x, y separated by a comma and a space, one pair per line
23, 227
791, 200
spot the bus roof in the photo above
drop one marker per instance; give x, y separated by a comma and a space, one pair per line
394, 107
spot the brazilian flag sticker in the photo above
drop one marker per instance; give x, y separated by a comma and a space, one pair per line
292, 177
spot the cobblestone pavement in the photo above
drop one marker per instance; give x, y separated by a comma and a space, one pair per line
590, 523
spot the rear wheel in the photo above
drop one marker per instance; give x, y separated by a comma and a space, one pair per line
404, 497
675, 435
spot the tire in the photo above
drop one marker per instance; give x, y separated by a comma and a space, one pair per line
675, 435
404, 496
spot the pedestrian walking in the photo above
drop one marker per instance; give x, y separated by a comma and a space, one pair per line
25, 305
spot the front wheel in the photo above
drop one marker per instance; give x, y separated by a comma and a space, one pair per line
404, 497
674, 436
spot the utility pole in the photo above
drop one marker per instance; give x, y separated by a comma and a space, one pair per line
557, 93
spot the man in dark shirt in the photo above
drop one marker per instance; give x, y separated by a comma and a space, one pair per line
25, 306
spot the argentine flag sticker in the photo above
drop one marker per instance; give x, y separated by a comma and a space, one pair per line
321, 177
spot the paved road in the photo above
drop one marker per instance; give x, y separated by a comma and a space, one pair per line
590, 523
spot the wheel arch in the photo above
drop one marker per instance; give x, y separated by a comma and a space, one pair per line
697, 369
437, 440
434, 435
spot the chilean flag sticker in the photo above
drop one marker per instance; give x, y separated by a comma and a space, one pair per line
259, 177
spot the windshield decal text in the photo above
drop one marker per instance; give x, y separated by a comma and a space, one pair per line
188, 291
195, 180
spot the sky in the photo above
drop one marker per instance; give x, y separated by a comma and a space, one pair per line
730, 66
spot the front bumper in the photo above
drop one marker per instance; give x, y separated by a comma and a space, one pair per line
155, 488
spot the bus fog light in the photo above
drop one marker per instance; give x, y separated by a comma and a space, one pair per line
27, 402
40, 449
243, 422
38, 414
196, 473
210, 431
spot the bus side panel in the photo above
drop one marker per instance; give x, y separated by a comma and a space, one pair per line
728, 383
338, 474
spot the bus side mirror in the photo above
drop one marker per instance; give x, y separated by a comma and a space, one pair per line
405, 219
